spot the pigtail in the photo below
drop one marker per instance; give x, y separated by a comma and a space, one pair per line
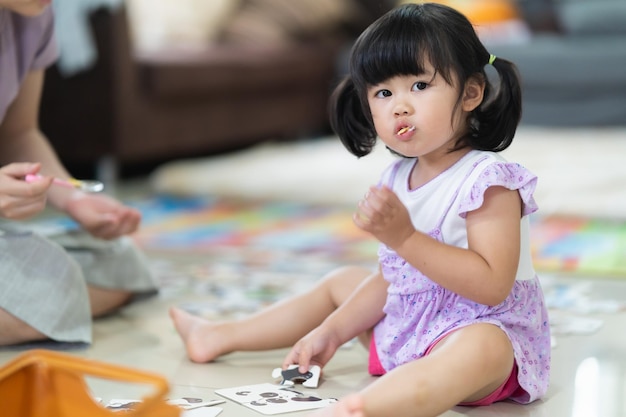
495, 122
350, 121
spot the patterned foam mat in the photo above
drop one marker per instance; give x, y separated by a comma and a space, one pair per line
559, 243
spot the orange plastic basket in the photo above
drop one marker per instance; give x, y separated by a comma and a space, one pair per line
42, 383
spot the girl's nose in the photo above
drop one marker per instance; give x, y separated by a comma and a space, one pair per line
402, 108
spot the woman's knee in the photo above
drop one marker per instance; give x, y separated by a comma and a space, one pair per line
105, 301
14, 331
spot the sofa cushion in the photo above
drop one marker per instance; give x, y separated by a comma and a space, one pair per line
575, 65
234, 71
593, 17
571, 80
157, 24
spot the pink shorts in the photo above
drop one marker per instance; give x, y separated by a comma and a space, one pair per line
504, 391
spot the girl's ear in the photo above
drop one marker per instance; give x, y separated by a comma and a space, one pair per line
473, 93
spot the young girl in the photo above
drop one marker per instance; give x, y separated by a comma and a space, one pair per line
455, 312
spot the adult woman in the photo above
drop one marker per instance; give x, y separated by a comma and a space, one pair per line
50, 287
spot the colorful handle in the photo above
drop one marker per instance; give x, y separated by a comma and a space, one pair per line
71, 183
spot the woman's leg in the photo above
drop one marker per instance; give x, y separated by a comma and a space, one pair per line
43, 294
277, 326
465, 366
104, 301
14, 330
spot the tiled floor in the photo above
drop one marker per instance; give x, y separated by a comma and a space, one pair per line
588, 371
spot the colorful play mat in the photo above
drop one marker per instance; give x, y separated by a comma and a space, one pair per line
204, 224
293, 231
579, 245
559, 244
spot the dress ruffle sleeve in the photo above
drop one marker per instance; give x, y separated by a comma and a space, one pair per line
510, 175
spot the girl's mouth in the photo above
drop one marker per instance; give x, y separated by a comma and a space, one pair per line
406, 129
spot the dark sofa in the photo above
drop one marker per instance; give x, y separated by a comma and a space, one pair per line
133, 111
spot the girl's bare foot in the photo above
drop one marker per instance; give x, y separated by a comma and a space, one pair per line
203, 340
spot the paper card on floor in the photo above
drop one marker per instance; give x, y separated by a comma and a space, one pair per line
190, 407
188, 403
202, 412
565, 323
274, 399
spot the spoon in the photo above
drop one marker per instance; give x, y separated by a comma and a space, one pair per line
89, 186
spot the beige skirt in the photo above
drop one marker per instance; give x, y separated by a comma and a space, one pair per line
43, 279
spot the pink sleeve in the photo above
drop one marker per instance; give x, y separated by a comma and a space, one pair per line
47, 52
505, 174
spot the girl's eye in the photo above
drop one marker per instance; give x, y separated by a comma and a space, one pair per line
383, 93
419, 86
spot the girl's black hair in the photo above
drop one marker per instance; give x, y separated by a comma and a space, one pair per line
401, 42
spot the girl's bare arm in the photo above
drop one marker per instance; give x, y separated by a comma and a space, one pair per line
484, 272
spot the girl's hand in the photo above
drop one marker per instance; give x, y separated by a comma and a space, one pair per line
18, 198
350, 406
102, 216
316, 348
382, 214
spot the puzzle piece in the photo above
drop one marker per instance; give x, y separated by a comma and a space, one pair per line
291, 375
190, 407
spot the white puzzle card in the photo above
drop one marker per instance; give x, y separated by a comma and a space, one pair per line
274, 399
190, 407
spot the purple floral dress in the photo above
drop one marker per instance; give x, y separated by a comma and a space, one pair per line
419, 311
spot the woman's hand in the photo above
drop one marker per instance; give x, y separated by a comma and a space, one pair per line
102, 216
19, 199
316, 348
382, 214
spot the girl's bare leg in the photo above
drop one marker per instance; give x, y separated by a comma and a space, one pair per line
466, 366
14, 330
277, 326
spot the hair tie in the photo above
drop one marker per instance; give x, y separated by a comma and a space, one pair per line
492, 59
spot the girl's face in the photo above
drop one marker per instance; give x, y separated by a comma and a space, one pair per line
416, 115
25, 7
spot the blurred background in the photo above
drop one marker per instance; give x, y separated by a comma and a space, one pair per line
143, 82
